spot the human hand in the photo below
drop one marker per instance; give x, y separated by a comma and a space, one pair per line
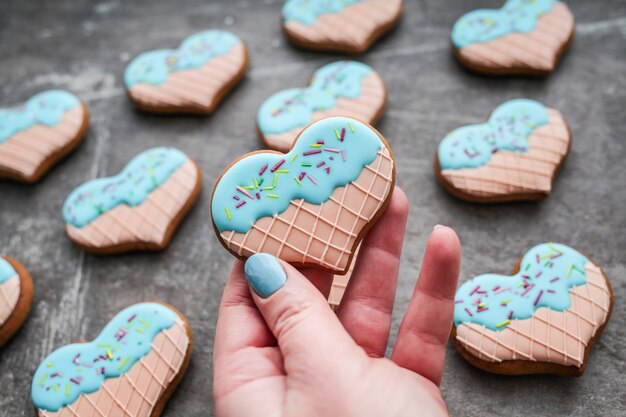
281, 351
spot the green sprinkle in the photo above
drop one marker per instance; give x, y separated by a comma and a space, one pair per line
261, 182
574, 267
124, 362
527, 267
502, 324
67, 390
569, 270
307, 164
282, 171
351, 127
298, 181
337, 134
42, 380
228, 214
547, 263
272, 195
295, 155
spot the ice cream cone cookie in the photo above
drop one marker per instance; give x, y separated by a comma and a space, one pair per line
543, 319
343, 88
16, 295
339, 25
39, 133
312, 205
192, 79
137, 209
514, 156
131, 369
522, 37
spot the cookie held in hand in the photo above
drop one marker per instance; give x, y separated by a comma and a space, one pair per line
339, 25
543, 319
192, 79
522, 37
312, 205
514, 156
139, 208
16, 295
342, 88
39, 133
131, 368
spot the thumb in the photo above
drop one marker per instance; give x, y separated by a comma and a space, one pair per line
307, 330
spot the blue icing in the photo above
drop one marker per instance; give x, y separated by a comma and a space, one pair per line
6, 271
294, 108
263, 184
483, 25
142, 175
508, 128
154, 67
307, 11
82, 368
547, 272
46, 108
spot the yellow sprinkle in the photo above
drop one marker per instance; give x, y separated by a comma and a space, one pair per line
295, 155
272, 195
140, 330
275, 180
337, 134
520, 284
42, 380
67, 390
268, 188
109, 354
256, 184
104, 344
282, 171
316, 145
508, 300
228, 214
56, 387
50, 365
298, 181
481, 305
504, 323
248, 187
351, 127
147, 326
123, 363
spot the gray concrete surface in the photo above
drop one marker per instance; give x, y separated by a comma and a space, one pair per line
84, 46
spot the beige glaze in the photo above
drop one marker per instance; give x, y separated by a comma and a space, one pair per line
509, 173
147, 222
367, 107
320, 234
9, 295
135, 393
26, 151
198, 89
350, 29
538, 50
549, 336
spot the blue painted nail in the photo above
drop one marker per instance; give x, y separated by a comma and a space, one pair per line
265, 274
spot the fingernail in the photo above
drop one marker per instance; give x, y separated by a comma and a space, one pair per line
437, 226
265, 274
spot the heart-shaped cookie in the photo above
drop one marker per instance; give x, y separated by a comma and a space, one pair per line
339, 25
343, 88
16, 294
39, 133
312, 205
542, 319
137, 209
522, 37
130, 369
514, 156
191, 79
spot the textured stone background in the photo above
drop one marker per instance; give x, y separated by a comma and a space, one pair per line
84, 46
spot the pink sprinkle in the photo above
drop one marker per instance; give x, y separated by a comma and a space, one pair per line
481, 292
320, 164
313, 152
327, 169
311, 178
240, 204
343, 155
475, 289
263, 169
333, 150
530, 287
551, 291
132, 318
480, 310
236, 197
244, 192
525, 276
468, 312
538, 274
76, 359
496, 288
75, 381
538, 297
556, 256
258, 196
275, 167
537, 257
343, 133
555, 279
502, 290
102, 370
302, 174
54, 375
510, 315
320, 141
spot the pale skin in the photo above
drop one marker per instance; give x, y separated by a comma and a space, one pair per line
290, 355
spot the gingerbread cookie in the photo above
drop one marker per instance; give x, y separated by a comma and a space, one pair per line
312, 205
522, 37
16, 295
339, 25
131, 369
139, 208
343, 88
191, 79
544, 318
39, 133
514, 156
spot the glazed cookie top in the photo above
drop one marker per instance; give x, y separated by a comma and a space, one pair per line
328, 154
82, 368
483, 25
307, 11
46, 108
154, 67
508, 128
142, 175
6, 271
546, 274
293, 108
